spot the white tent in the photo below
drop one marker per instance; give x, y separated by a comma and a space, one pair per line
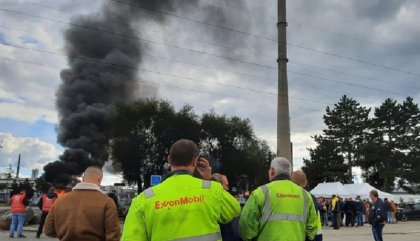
347, 190
363, 189
330, 188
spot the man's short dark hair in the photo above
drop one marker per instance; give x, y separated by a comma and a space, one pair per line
183, 152
374, 193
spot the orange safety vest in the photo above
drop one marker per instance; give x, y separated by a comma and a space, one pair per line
17, 205
47, 203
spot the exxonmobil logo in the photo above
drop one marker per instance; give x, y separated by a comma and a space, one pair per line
179, 202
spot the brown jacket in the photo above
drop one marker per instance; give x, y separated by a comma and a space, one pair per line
85, 214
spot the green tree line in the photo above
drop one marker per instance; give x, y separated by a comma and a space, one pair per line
383, 142
143, 131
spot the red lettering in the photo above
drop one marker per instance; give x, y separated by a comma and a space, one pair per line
179, 202
184, 200
282, 195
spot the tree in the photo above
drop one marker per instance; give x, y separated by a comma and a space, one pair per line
142, 134
144, 131
235, 150
325, 163
388, 128
347, 125
410, 144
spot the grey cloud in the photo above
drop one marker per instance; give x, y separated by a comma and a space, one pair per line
372, 21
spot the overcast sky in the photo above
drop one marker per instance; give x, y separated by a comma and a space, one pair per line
368, 50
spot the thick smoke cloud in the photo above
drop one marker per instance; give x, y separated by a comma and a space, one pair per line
95, 80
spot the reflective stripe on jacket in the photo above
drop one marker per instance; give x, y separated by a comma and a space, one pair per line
17, 203
180, 208
279, 211
47, 203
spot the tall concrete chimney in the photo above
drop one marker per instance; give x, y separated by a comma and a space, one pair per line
284, 146
18, 167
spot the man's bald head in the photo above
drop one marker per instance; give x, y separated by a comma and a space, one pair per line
93, 175
299, 178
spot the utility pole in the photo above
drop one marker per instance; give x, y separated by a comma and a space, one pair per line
18, 167
284, 146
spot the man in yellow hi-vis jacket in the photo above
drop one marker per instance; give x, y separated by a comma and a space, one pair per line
182, 207
280, 210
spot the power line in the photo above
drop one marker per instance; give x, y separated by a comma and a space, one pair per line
346, 83
200, 66
339, 34
346, 36
269, 39
259, 101
246, 51
193, 20
170, 60
218, 56
348, 74
218, 45
142, 81
161, 73
250, 75
139, 39
353, 59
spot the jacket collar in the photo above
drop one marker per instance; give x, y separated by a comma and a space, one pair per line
87, 186
281, 177
178, 172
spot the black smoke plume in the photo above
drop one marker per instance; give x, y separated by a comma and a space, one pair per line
95, 79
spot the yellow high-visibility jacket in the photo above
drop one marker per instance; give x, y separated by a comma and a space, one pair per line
279, 211
180, 208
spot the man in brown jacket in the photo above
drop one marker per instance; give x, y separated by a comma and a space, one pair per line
85, 214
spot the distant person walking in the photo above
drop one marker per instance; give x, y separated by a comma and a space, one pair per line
18, 205
377, 215
359, 211
388, 210
86, 213
45, 204
367, 210
335, 209
394, 210
279, 210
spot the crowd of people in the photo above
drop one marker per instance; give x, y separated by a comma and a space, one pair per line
352, 212
194, 204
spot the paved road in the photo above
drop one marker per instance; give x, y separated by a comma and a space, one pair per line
409, 231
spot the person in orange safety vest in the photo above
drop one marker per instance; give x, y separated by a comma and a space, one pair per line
18, 205
45, 204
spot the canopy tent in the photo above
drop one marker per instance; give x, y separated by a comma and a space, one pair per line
328, 189
347, 190
363, 189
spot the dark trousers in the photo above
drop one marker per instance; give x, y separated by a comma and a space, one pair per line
335, 220
377, 232
359, 219
350, 218
41, 223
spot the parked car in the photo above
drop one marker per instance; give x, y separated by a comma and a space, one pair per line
412, 211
